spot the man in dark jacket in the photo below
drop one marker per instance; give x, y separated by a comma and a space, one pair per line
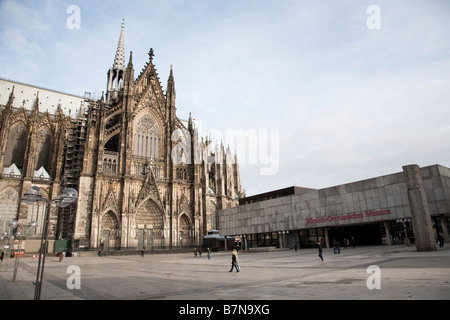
320, 250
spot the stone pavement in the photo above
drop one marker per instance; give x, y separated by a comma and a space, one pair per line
403, 273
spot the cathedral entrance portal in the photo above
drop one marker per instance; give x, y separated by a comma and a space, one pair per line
149, 225
145, 239
109, 232
149, 239
105, 240
185, 231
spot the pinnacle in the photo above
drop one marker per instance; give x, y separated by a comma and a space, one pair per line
119, 61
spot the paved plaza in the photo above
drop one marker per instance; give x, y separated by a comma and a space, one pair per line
279, 274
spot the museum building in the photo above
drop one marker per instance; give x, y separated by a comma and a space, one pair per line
409, 207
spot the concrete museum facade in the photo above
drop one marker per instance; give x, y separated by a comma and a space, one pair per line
412, 206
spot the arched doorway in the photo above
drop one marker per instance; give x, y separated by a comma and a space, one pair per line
149, 226
185, 231
109, 232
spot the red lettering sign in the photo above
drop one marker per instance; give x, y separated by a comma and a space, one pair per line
350, 216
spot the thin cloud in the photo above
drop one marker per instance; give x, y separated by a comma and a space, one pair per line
350, 103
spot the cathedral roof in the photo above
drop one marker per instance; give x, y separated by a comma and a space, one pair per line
25, 95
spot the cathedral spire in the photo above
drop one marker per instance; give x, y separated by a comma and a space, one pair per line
171, 96
119, 60
128, 80
11, 99
115, 74
171, 86
36, 104
129, 71
130, 61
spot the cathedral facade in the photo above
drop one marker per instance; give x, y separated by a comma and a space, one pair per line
145, 179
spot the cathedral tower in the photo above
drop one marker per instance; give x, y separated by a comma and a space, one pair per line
145, 179
116, 73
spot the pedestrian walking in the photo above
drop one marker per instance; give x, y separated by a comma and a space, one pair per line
195, 252
353, 242
142, 253
60, 254
201, 251
209, 254
336, 246
2, 255
295, 247
235, 261
320, 250
440, 239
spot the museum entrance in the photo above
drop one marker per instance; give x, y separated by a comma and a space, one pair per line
364, 235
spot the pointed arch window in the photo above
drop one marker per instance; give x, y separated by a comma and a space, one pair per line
43, 149
17, 143
147, 138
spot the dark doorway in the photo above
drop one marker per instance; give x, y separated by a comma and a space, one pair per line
364, 235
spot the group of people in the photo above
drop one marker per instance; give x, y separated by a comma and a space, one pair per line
199, 252
336, 246
345, 242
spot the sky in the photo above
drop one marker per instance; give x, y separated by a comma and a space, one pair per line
307, 93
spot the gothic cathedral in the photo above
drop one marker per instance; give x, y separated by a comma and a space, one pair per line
145, 179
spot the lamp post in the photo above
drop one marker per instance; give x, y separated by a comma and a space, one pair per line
32, 196
19, 235
9, 239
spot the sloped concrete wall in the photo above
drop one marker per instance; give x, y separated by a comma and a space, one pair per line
372, 200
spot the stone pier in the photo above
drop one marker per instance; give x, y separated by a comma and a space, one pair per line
420, 212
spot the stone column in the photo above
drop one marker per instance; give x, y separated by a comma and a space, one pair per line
280, 239
327, 240
388, 232
420, 212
